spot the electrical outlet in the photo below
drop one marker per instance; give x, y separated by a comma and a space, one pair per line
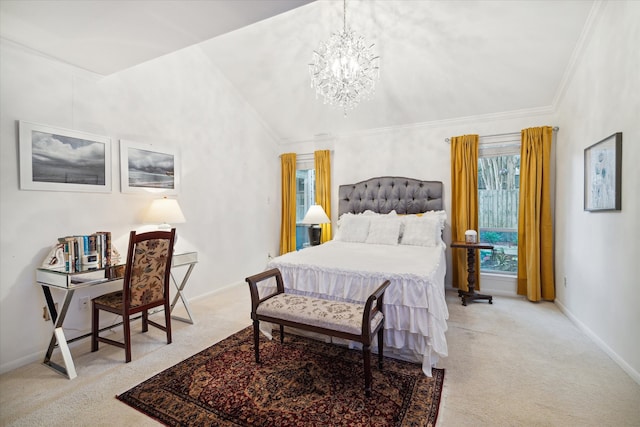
83, 303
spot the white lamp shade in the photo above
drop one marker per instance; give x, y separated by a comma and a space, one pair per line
164, 211
316, 215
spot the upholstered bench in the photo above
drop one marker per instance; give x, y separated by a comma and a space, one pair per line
352, 321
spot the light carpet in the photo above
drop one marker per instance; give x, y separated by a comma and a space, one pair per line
513, 363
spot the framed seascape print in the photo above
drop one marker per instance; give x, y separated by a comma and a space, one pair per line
58, 159
603, 174
147, 168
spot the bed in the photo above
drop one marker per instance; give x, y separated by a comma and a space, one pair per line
388, 228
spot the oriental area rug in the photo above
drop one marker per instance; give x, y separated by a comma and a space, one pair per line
303, 382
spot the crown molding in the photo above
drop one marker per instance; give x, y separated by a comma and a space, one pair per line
19, 47
506, 115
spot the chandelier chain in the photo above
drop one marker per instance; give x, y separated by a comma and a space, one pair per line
344, 15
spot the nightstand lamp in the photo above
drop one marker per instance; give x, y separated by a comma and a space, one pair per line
314, 217
164, 212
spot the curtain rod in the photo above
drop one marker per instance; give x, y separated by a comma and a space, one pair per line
307, 157
448, 140
304, 156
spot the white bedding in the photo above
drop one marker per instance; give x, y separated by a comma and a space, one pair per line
414, 305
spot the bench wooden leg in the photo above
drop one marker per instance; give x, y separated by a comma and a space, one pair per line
256, 339
366, 353
380, 346
281, 334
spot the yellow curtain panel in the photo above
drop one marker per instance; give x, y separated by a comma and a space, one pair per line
322, 164
464, 202
535, 225
288, 220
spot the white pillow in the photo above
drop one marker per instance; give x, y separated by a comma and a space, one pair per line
353, 228
441, 216
384, 231
421, 231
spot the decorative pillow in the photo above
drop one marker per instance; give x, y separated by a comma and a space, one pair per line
353, 228
441, 216
342, 219
384, 231
421, 231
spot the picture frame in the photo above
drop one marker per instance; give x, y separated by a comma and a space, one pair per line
57, 159
603, 175
149, 168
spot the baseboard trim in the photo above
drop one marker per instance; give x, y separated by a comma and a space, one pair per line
635, 375
217, 290
26, 360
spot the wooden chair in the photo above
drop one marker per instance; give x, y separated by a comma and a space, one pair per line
145, 286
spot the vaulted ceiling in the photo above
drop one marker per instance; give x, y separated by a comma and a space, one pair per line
440, 60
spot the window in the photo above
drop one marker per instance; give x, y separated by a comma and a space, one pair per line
498, 202
305, 197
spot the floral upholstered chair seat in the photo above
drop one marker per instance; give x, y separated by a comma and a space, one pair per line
334, 315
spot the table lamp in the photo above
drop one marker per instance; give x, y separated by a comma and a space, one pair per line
164, 212
314, 217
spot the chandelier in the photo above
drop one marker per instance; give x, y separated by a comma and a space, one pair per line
344, 69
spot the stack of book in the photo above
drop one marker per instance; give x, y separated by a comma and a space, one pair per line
87, 252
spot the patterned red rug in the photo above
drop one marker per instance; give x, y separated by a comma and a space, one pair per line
302, 382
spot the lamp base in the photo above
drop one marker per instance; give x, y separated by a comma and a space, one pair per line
315, 233
167, 227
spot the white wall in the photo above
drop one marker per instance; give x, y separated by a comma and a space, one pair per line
178, 100
599, 253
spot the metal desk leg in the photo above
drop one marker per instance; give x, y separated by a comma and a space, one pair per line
58, 337
180, 295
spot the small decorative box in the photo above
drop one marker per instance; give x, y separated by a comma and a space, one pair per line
471, 236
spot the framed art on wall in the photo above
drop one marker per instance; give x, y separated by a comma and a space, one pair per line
57, 159
603, 174
147, 168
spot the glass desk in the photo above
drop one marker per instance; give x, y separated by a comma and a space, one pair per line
57, 278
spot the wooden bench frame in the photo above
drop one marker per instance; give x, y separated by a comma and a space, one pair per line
364, 337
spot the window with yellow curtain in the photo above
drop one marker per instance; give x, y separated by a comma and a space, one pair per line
313, 186
498, 203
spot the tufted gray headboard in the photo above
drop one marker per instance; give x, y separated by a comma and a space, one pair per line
387, 193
